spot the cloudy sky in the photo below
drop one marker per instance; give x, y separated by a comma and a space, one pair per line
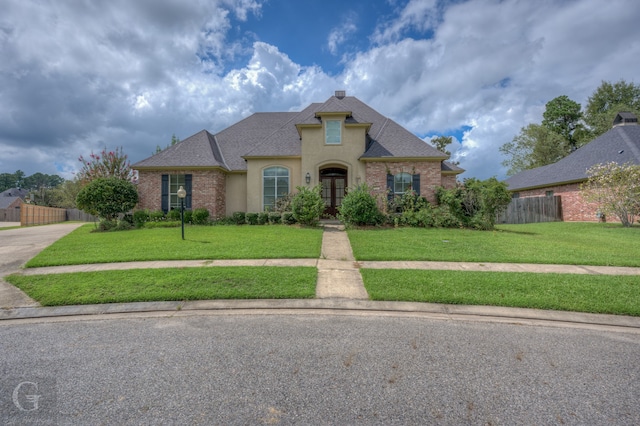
79, 76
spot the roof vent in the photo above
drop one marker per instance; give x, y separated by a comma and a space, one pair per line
340, 94
625, 118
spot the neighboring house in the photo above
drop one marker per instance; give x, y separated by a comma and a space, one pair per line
338, 144
10, 202
621, 145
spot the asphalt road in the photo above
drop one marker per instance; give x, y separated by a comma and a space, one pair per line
344, 369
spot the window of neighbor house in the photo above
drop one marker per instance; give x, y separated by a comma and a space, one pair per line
515, 195
549, 193
275, 184
333, 130
401, 183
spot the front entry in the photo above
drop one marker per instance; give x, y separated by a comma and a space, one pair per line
334, 184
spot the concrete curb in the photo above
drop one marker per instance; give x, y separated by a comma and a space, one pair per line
301, 306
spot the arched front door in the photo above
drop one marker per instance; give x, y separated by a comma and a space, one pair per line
334, 184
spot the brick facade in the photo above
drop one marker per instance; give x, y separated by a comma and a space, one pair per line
207, 190
574, 207
430, 176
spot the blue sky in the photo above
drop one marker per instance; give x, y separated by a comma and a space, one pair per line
77, 77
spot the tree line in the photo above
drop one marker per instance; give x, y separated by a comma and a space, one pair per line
566, 127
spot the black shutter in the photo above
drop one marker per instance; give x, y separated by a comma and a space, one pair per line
165, 193
415, 183
390, 187
187, 187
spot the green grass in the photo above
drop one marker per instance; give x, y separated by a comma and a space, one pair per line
618, 295
201, 242
143, 285
555, 243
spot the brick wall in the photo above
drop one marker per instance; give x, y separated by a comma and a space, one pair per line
430, 176
207, 190
574, 207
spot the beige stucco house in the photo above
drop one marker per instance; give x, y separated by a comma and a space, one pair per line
338, 144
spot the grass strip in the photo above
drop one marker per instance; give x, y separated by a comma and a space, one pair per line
201, 242
554, 243
144, 285
613, 294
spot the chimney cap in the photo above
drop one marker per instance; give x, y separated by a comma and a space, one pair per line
341, 94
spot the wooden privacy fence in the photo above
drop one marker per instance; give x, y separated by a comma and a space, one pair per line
80, 216
10, 215
532, 210
30, 214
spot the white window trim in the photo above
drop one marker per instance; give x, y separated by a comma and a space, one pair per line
276, 187
174, 195
395, 183
326, 131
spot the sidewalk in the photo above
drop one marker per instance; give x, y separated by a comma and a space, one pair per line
339, 287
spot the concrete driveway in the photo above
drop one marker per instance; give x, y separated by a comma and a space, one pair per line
19, 245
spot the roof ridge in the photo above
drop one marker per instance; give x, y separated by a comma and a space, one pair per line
629, 142
266, 138
217, 148
386, 120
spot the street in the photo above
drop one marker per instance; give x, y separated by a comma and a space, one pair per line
315, 369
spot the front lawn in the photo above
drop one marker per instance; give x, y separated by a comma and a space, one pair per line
201, 242
555, 243
144, 285
618, 295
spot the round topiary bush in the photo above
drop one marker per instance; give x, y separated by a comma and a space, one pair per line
360, 208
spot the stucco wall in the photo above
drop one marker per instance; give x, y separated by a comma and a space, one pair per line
236, 191
317, 155
255, 169
207, 190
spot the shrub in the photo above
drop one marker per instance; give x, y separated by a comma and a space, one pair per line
283, 204
200, 216
239, 218
252, 218
188, 216
140, 217
307, 205
173, 214
275, 218
156, 216
123, 225
106, 225
288, 218
263, 218
360, 208
107, 197
476, 203
163, 224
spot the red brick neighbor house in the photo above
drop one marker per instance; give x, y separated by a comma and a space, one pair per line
10, 203
248, 166
621, 145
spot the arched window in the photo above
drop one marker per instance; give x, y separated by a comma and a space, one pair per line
275, 184
401, 183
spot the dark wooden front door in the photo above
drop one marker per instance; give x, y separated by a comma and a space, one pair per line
334, 185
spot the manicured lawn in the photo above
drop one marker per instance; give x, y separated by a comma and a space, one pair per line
201, 242
582, 293
556, 243
143, 285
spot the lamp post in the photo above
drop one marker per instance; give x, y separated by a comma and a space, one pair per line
181, 194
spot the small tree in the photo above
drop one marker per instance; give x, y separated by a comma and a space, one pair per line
616, 190
307, 205
104, 165
107, 197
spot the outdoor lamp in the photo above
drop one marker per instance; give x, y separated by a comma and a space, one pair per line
308, 178
181, 194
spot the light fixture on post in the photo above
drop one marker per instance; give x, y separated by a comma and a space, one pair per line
307, 178
181, 194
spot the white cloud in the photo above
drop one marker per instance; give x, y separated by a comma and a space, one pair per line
339, 35
421, 15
